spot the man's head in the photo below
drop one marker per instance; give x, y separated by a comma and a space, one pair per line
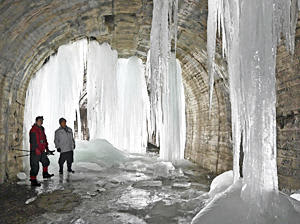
63, 122
39, 120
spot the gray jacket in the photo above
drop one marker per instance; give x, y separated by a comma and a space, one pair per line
64, 139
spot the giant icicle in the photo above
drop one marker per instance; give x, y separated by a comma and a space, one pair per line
250, 35
118, 104
166, 90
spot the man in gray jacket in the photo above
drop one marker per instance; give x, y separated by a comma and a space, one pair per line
65, 144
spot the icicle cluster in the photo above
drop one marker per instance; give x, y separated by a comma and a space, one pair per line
54, 91
118, 104
251, 31
167, 121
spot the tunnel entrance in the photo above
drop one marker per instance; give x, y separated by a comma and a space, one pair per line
101, 96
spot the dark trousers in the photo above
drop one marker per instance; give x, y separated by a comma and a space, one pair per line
35, 160
65, 156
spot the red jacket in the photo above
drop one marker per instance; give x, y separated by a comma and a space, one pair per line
38, 139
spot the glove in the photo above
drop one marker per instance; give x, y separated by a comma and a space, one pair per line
50, 152
58, 150
37, 151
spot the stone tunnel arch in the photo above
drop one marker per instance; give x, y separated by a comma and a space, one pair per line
38, 29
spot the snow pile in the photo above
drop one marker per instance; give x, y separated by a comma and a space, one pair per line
163, 169
296, 196
221, 183
99, 152
167, 120
229, 208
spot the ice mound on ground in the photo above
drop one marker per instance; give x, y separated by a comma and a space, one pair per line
89, 166
221, 183
295, 199
98, 151
229, 208
21, 176
296, 196
163, 169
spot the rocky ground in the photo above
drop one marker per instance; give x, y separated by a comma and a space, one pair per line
135, 189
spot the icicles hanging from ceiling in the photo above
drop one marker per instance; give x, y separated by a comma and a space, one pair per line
118, 104
55, 89
251, 31
101, 90
117, 101
167, 122
173, 104
133, 105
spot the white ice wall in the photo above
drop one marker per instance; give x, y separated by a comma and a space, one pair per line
54, 91
118, 104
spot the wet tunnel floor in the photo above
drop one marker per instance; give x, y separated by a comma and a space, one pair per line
140, 189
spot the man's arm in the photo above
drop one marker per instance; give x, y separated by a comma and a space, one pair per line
56, 140
73, 139
32, 140
47, 148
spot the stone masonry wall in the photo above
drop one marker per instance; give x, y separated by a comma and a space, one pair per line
288, 116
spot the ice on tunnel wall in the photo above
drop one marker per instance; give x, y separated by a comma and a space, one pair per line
118, 107
54, 91
101, 90
118, 103
173, 105
167, 120
133, 105
251, 31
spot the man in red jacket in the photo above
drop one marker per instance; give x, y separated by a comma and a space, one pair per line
38, 151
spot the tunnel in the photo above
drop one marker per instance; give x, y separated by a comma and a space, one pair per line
33, 31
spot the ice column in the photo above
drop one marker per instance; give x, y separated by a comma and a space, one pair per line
167, 114
133, 105
118, 104
101, 90
251, 31
173, 126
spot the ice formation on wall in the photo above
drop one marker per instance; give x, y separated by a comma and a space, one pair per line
54, 91
118, 104
101, 90
173, 127
251, 31
167, 122
118, 107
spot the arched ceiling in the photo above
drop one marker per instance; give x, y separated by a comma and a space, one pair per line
30, 31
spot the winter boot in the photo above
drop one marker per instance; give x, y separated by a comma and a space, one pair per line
70, 168
35, 183
71, 171
46, 174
